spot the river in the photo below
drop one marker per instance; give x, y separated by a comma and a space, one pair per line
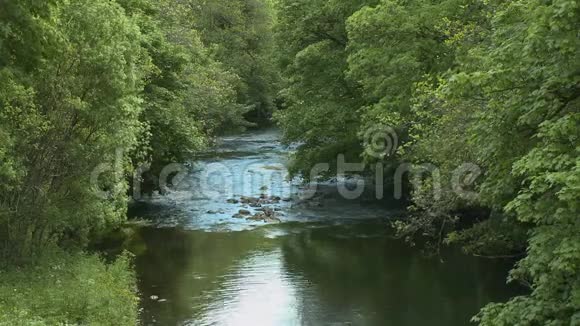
331, 261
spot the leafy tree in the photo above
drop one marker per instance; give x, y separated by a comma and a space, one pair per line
529, 79
238, 34
187, 96
64, 110
392, 46
88, 91
320, 101
490, 83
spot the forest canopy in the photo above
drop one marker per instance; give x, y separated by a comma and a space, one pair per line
134, 83
494, 84
122, 84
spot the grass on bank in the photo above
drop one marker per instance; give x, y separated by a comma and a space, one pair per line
69, 289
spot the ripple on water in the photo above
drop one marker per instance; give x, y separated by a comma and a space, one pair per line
248, 165
330, 262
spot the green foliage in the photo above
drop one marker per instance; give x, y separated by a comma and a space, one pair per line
64, 115
188, 96
238, 35
87, 83
496, 237
211, 87
495, 84
530, 79
320, 101
491, 83
115, 84
69, 289
391, 47
23, 31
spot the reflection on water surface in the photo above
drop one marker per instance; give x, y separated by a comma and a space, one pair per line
328, 264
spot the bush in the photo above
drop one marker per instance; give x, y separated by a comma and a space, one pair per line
69, 289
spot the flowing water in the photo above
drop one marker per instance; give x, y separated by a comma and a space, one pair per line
331, 261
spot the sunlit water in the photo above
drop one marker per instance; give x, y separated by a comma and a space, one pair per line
330, 263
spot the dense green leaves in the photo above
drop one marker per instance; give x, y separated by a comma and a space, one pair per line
188, 97
238, 33
123, 83
321, 102
63, 113
91, 90
487, 84
539, 94
492, 84
66, 289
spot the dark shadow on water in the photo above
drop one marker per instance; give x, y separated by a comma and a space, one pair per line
376, 280
309, 274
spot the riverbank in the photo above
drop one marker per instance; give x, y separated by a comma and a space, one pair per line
64, 288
